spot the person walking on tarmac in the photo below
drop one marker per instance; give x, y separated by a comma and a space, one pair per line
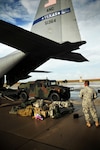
88, 94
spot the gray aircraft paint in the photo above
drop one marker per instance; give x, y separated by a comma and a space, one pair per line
9, 61
56, 22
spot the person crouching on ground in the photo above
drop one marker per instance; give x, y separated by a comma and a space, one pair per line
88, 94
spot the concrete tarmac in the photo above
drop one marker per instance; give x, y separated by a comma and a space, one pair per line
65, 133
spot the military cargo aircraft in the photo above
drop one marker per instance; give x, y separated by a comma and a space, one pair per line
54, 34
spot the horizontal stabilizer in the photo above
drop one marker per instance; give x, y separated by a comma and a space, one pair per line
71, 46
71, 57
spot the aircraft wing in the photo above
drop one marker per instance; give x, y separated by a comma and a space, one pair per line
36, 48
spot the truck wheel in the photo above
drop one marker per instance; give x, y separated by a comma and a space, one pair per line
23, 96
54, 97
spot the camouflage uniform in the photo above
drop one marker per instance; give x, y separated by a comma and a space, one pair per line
88, 94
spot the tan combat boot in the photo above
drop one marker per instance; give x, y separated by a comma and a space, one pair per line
97, 124
88, 124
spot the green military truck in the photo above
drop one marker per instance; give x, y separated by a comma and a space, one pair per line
43, 89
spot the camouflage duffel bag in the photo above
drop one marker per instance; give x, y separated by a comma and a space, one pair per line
26, 111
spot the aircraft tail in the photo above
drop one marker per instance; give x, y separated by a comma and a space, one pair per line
55, 20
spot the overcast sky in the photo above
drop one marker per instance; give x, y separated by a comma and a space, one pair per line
22, 13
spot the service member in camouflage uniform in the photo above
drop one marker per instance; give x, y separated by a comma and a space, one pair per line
88, 94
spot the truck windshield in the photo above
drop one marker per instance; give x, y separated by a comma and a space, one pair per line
53, 83
50, 83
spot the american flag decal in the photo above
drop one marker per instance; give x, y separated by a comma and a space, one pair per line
50, 2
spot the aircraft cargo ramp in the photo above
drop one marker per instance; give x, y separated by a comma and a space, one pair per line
65, 133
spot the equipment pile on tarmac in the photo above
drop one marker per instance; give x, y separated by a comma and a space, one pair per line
41, 109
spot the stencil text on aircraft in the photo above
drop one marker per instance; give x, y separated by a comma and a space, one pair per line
50, 3
53, 14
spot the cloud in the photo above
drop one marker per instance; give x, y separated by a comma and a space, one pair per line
30, 6
88, 18
11, 10
87, 12
18, 12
